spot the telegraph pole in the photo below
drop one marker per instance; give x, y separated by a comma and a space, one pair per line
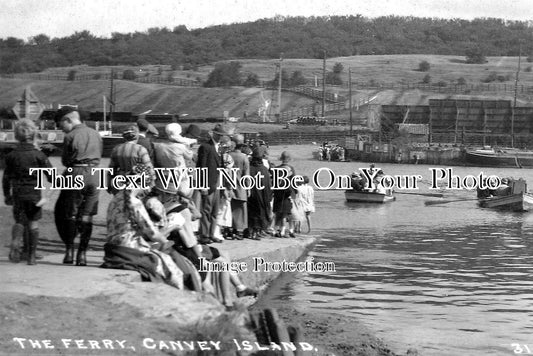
350, 100
111, 98
279, 88
324, 86
515, 94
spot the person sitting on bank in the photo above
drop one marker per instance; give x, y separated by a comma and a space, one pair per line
135, 242
217, 281
20, 190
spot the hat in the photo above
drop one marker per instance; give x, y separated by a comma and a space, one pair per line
64, 110
258, 152
152, 130
224, 140
173, 131
238, 139
193, 131
285, 156
130, 133
143, 125
220, 130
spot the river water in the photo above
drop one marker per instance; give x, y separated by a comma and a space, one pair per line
448, 279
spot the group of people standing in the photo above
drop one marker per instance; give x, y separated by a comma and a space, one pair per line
162, 230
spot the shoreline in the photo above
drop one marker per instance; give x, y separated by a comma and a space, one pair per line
71, 313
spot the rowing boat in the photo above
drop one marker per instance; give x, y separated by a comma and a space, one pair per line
513, 196
356, 196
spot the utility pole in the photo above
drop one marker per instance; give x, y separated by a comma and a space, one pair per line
324, 87
515, 93
279, 88
111, 98
350, 99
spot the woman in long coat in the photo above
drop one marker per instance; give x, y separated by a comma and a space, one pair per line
259, 199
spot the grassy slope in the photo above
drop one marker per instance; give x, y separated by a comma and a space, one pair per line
202, 102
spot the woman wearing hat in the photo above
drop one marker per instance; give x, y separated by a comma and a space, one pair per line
134, 240
259, 200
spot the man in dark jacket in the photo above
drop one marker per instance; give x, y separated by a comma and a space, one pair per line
75, 208
209, 157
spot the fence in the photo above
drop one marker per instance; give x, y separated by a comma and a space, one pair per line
104, 76
292, 137
446, 88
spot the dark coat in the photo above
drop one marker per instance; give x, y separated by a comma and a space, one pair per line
259, 199
209, 158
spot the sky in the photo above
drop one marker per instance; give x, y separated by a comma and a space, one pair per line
60, 18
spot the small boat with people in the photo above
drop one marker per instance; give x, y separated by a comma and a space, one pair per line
354, 196
361, 193
511, 195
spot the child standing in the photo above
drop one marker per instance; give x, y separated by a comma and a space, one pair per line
19, 189
305, 201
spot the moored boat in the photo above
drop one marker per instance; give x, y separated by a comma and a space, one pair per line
364, 196
500, 158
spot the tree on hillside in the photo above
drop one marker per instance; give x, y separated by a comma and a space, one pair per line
334, 77
224, 75
129, 74
252, 80
297, 78
423, 66
475, 55
39, 40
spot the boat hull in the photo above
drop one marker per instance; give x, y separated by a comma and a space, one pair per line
515, 202
500, 159
109, 142
354, 196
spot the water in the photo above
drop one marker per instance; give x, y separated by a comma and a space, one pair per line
450, 279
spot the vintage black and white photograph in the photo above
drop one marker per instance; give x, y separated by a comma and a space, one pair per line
245, 178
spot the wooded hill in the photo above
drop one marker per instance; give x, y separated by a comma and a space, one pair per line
294, 37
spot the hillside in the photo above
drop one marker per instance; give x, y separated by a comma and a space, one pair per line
292, 37
383, 70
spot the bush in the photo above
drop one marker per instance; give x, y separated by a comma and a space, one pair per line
71, 75
475, 56
297, 78
423, 66
128, 74
442, 84
224, 75
97, 76
252, 80
461, 81
426, 79
503, 78
528, 69
492, 77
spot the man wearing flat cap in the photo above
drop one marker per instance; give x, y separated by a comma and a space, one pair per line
209, 157
75, 208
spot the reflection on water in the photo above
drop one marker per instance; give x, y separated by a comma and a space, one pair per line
449, 279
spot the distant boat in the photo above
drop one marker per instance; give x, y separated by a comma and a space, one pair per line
356, 196
509, 157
